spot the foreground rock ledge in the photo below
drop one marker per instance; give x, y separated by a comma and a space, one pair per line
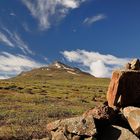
124, 88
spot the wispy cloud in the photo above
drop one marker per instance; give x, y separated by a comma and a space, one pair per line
11, 65
21, 44
93, 19
26, 27
46, 59
99, 65
12, 14
12, 39
49, 12
5, 40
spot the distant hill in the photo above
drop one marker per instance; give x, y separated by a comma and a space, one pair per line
56, 70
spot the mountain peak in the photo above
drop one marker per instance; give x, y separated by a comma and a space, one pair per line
59, 65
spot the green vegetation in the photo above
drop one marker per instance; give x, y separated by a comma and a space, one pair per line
31, 100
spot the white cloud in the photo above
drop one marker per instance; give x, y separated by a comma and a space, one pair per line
69, 3
14, 40
99, 65
99, 69
93, 19
5, 40
11, 65
49, 12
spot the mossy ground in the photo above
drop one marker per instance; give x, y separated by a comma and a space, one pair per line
28, 104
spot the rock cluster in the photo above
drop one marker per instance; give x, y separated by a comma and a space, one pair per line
133, 65
119, 119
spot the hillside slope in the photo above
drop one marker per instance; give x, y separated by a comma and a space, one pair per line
56, 70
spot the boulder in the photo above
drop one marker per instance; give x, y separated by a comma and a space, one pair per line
82, 126
124, 88
101, 113
116, 133
132, 114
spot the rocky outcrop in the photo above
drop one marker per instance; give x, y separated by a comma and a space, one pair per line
112, 121
100, 123
132, 114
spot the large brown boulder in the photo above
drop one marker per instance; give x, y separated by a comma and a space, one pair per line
132, 114
124, 88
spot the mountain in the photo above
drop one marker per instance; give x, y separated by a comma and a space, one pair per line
56, 70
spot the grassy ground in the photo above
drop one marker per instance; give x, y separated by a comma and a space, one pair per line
28, 104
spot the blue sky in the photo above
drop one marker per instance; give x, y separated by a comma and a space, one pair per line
95, 35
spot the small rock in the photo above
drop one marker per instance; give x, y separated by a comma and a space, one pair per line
102, 112
135, 64
132, 114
